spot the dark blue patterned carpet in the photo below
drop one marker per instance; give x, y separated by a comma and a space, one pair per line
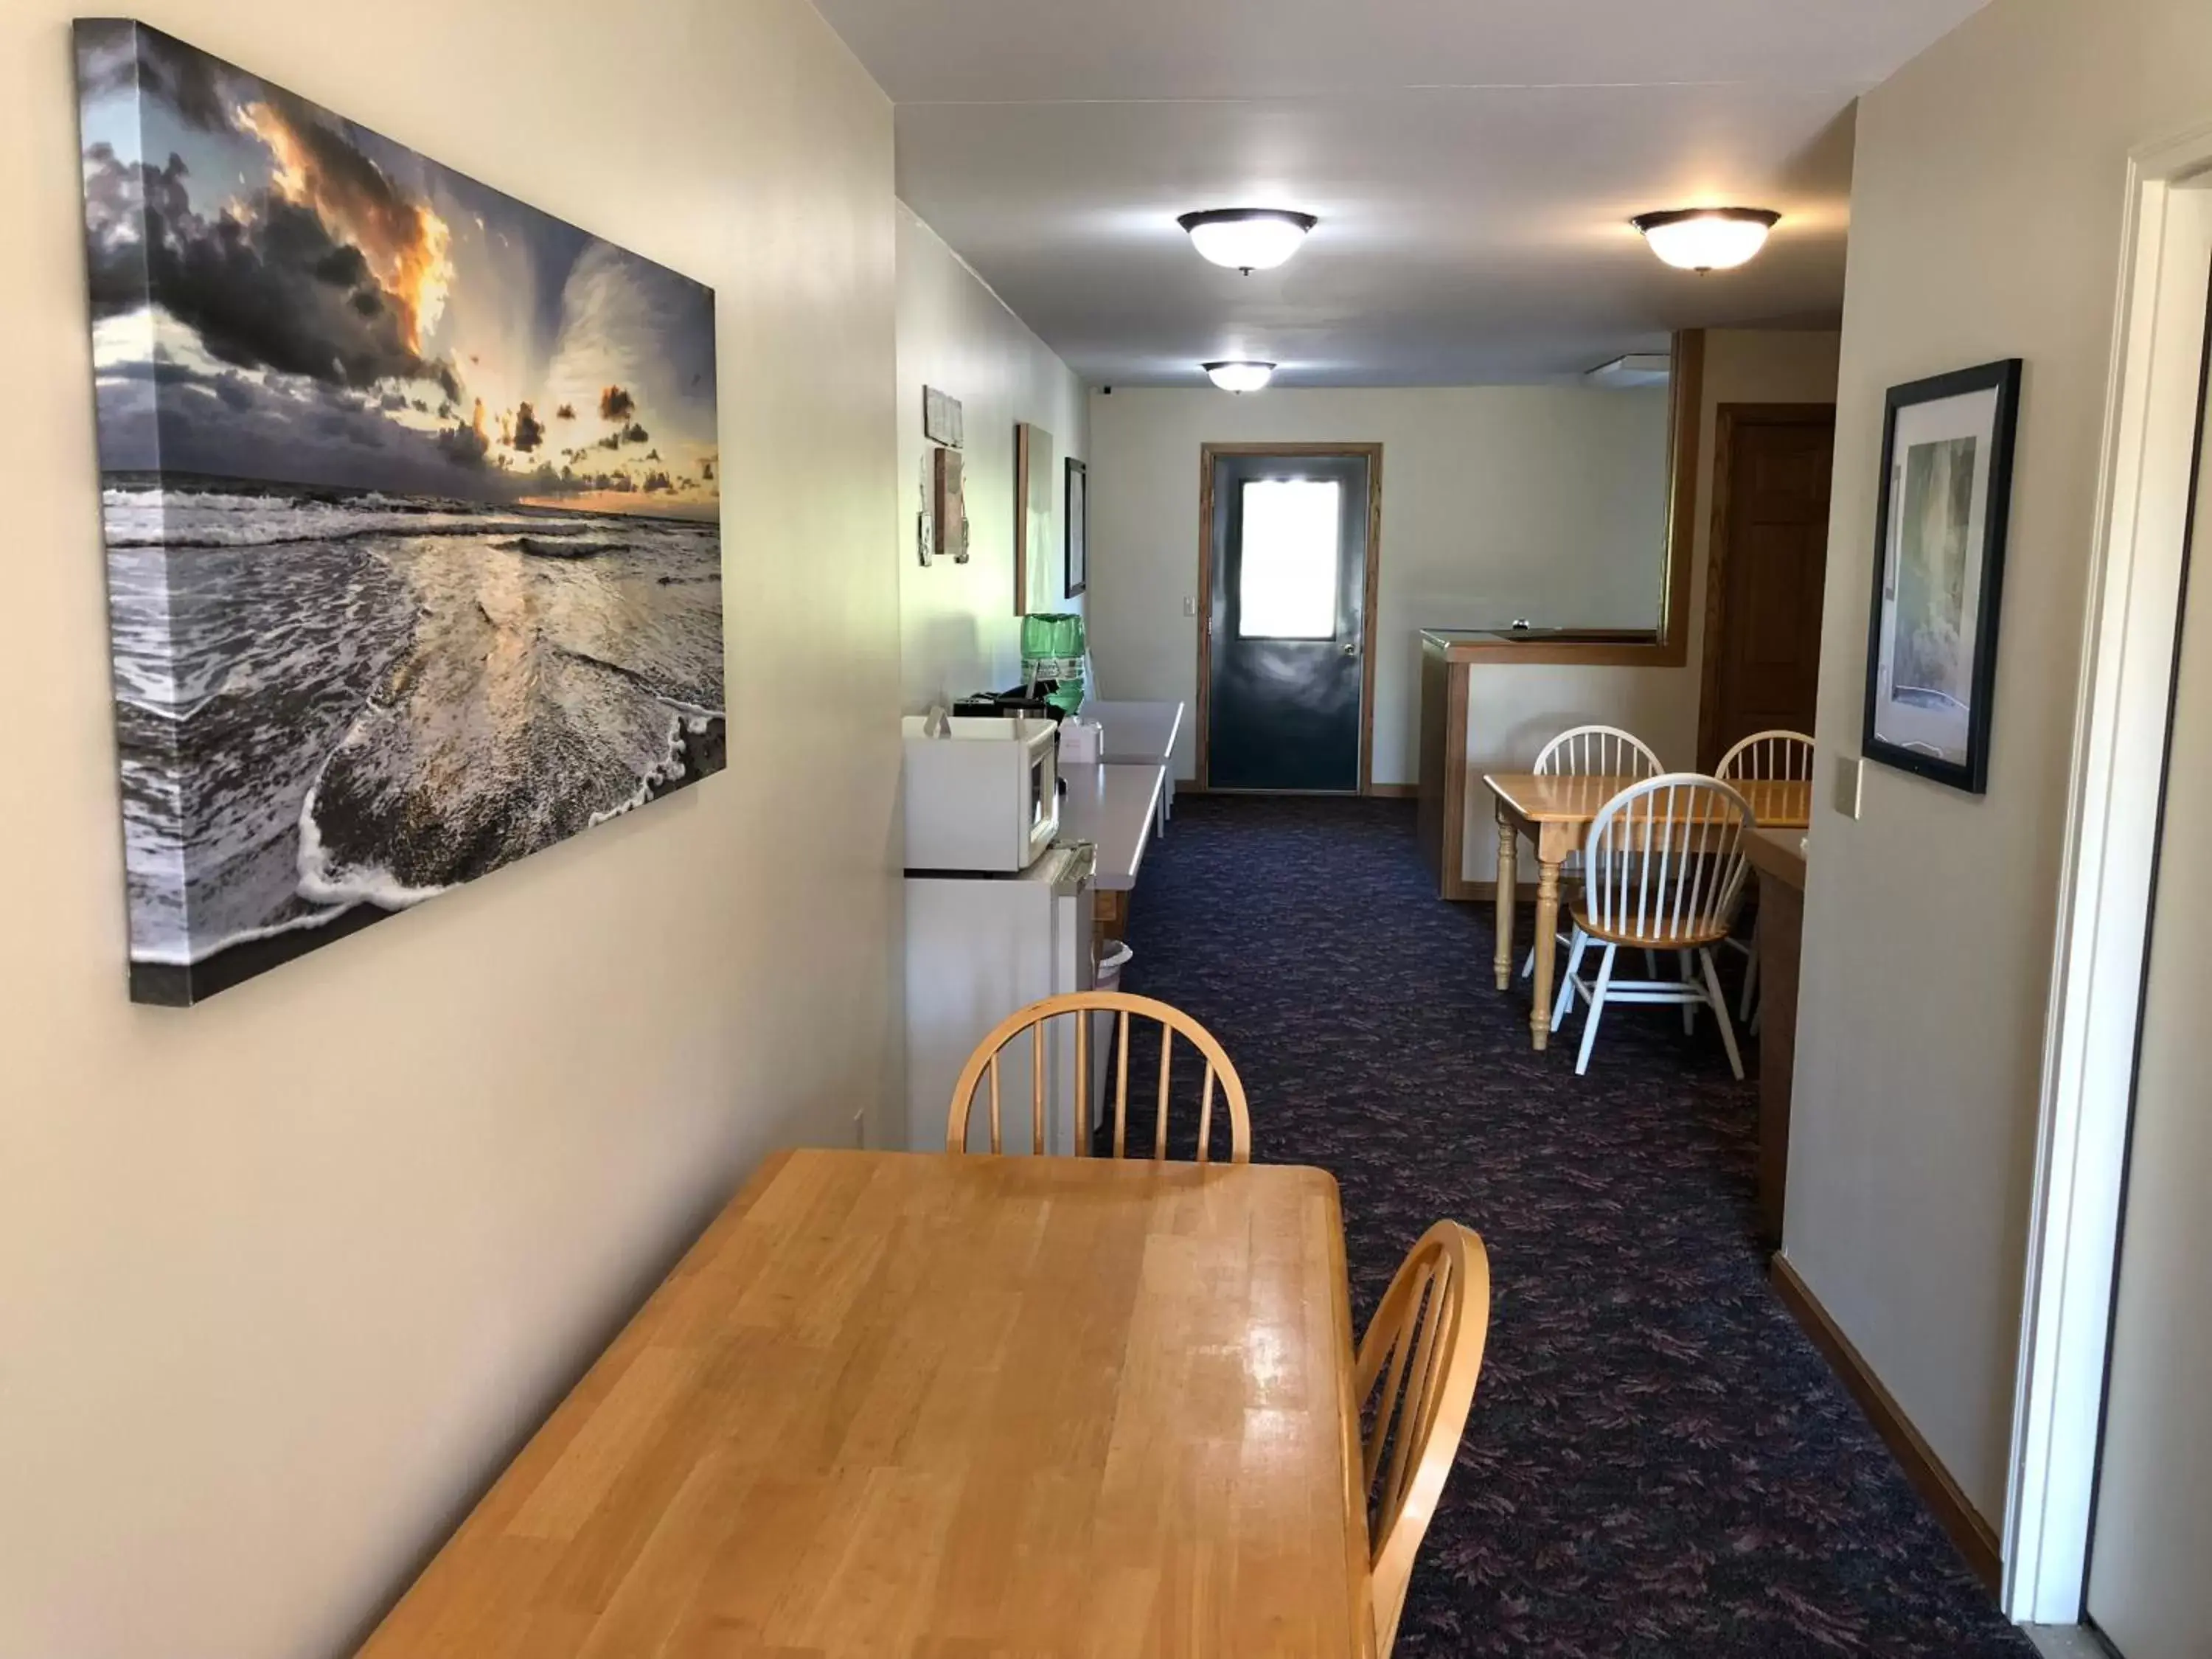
1658, 1461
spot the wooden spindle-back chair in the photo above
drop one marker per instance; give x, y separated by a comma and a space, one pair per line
1776, 756
1663, 868
1764, 757
1597, 752
982, 1070
1424, 1348
1592, 751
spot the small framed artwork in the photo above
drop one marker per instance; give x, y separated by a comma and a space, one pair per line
941, 418
1939, 568
948, 509
1078, 527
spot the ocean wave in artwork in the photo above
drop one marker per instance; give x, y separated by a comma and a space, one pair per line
331, 703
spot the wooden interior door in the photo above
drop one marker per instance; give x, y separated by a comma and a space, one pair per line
1770, 559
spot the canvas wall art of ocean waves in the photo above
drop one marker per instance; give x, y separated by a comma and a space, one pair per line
409, 578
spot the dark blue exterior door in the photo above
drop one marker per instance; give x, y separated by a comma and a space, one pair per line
1287, 621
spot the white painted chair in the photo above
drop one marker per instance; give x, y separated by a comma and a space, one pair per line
1764, 756
1663, 869
1597, 752
1592, 751
1768, 757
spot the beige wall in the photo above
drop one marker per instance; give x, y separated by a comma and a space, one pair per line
283, 1277
958, 621
1986, 223
1498, 502
1517, 710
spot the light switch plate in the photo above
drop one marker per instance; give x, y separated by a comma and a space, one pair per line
1189, 605
1850, 785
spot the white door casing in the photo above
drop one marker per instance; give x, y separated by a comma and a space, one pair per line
2149, 1590
2154, 398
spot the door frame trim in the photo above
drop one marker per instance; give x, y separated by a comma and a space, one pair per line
1726, 418
2153, 403
1373, 454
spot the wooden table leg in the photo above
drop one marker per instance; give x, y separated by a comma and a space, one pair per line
1508, 839
1548, 944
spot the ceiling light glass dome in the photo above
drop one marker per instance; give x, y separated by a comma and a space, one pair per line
1248, 238
1243, 376
1707, 239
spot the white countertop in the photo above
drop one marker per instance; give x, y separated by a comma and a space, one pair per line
1112, 806
1136, 732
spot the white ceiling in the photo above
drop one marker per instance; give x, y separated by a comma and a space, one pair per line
1474, 162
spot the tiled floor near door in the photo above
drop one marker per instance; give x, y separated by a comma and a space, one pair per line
1658, 1462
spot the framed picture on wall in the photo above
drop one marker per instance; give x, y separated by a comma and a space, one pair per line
1034, 474
1939, 566
941, 419
1078, 527
948, 507
411, 496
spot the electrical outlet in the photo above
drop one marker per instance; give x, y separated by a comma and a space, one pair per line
1850, 785
860, 1130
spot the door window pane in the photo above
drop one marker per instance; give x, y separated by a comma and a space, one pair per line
1287, 571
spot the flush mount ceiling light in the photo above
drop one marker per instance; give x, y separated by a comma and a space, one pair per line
1707, 239
1240, 376
1248, 238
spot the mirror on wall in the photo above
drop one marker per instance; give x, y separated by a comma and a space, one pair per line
1572, 514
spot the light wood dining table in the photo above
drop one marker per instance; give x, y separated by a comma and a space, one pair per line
1555, 812
894, 1404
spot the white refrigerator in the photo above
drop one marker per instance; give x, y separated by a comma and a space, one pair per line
978, 947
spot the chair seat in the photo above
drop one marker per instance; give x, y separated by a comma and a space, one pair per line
1666, 936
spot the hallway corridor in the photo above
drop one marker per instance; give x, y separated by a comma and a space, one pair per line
1658, 1462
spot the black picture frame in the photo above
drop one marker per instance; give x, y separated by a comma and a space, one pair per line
1077, 534
1989, 496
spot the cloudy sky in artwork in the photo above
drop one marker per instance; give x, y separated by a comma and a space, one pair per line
279, 294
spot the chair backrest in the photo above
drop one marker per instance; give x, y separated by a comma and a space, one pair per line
1665, 862
1423, 1348
1769, 757
1597, 752
982, 1067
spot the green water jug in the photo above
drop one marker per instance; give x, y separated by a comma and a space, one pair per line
1053, 645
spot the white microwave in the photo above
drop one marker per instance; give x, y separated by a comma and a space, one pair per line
982, 796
